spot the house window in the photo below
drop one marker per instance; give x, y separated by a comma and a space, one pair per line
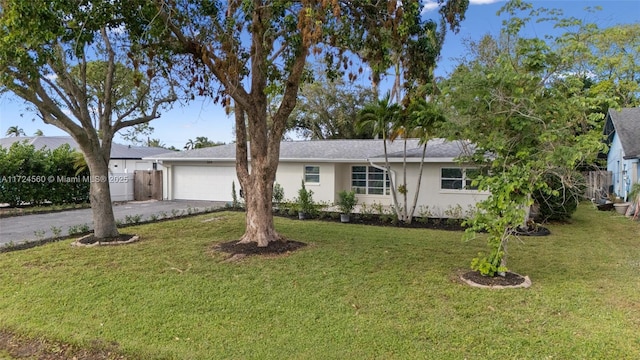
457, 178
369, 180
311, 174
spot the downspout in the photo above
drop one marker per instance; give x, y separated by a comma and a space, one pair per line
393, 179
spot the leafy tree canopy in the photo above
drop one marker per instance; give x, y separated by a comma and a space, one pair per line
329, 109
78, 65
529, 115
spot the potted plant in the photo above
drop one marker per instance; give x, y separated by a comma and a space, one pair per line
621, 206
346, 202
305, 202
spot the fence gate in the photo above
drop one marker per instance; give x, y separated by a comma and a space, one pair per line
148, 185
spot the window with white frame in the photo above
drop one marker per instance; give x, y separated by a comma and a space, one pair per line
457, 178
369, 180
311, 174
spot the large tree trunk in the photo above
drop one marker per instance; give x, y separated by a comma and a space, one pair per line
257, 185
259, 217
104, 223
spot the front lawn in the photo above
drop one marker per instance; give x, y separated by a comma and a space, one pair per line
356, 292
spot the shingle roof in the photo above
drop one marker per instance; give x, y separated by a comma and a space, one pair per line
322, 150
437, 149
118, 151
626, 123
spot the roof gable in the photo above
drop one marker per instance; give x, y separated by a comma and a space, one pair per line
626, 123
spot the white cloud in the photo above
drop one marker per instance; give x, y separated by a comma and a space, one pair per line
483, 2
430, 5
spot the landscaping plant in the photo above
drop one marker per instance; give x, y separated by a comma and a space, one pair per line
527, 116
306, 206
347, 201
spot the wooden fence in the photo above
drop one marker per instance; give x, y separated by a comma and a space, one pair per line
148, 185
598, 184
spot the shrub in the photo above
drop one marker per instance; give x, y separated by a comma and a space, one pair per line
561, 197
347, 201
278, 194
305, 200
30, 176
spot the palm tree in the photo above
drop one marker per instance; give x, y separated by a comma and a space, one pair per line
15, 131
419, 120
424, 119
379, 116
155, 143
190, 145
201, 142
38, 133
79, 162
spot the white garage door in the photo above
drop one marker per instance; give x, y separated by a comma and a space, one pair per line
204, 182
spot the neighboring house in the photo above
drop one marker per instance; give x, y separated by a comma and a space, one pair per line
328, 167
622, 128
125, 159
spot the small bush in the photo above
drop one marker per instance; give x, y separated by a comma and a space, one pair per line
57, 231
305, 201
278, 194
561, 197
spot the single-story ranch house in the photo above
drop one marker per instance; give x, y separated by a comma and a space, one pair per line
328, 167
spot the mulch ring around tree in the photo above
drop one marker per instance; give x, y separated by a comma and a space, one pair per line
531, 231
238, 251
509, 281
90, 240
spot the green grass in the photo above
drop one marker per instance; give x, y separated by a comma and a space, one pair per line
355, 292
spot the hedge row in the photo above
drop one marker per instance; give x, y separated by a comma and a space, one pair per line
34, 177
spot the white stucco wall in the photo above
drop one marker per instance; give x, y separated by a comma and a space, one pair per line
290, 175
131, 165
337, 177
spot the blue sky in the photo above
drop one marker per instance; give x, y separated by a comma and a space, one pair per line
202, 118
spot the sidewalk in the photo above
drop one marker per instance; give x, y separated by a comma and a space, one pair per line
18, 229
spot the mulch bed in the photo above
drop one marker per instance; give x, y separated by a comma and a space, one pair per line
531, 231
449, 224
510, 280
274, 248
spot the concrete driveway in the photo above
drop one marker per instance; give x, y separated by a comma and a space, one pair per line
18, 229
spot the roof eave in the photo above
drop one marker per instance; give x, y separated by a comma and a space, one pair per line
316, 160
188, 159
416, 160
